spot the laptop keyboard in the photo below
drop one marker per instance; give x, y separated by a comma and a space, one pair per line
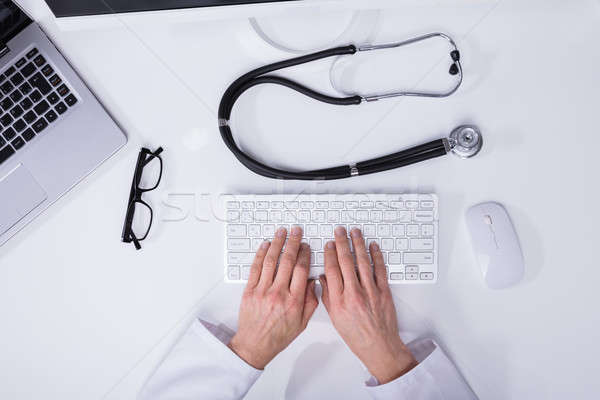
33, 95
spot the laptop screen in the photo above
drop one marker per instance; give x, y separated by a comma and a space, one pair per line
12, 20
69, 8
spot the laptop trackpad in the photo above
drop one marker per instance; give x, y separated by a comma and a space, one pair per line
20, 194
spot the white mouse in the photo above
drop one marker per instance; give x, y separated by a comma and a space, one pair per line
496, 245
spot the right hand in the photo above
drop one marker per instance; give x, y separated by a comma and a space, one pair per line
361, 306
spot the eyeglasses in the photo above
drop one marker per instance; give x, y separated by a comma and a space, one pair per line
138, 220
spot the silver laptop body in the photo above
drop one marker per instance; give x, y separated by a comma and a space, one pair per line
51, 141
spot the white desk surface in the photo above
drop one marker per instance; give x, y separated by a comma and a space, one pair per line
87, 317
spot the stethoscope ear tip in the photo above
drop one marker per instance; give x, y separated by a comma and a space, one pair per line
465, 141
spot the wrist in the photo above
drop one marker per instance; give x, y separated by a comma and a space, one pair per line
245, 353
393, 365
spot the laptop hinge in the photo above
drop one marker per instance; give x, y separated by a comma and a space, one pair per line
3, 49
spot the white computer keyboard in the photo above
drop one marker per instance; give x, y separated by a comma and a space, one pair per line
404, 225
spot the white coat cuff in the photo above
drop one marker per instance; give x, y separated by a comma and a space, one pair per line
435, 377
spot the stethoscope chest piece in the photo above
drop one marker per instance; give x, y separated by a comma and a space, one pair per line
465, 141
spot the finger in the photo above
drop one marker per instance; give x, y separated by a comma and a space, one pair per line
379, 265
345, 259
332, 270
362, 259
257, 265
271, 259
310, 303
324, 292
301, 271
288, 259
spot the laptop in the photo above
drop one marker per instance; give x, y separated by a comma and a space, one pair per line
53, 131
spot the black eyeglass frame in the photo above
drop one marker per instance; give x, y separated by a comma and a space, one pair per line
135, 195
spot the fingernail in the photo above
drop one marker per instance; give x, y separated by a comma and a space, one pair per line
304, 246
265, 245
281, 232
296, 231
331, 245
340, 231
356, 233
375, 246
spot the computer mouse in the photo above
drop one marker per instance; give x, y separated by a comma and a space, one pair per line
496, 245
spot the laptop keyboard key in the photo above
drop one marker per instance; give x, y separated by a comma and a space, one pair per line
18, 143
6, 119
41, 107
28, 134
39, 60
61, 108
35, 96
2, 141
29, 117
6, 87
55, 80
40, 125
51, 116
28, 70
9, 71
6, 103
16, 111
5, 153
19, 125
53, 98
71, 100
16, 96
9, 133
21, 62
32, 53
17, 79
47, 70
38, 81
26, 103
25, 88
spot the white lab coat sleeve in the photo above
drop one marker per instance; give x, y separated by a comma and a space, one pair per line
435, 378
201, 366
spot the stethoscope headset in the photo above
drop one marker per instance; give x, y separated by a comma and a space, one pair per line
465, 141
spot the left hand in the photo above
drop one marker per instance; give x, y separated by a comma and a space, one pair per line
277, 302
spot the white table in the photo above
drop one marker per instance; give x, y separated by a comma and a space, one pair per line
87, 317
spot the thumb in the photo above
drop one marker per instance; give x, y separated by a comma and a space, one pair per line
325, 292
310, 303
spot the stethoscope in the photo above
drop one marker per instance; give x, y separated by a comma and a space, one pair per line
464, 141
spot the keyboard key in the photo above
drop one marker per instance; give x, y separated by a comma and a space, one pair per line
395, 258
21, 62
427, 230
418, 258
61, 108
248, 205
9, 71
401, 244
233, 272
6, 103
268, 230
39, 60
316, 244
397, 230
32, 53
26, 103
40, 125
6, 119
51, 116
19, 125
240, 258
384, 230
2, 141
387, 244
16, 111
236, 230
28, 70
396, 276
17, 79
9, 133
29, 117
411, 269
53, 98
28, 134
427, 204
55, 80
423, 216
18, 143
41, 107
412, 277
411, 204
16, 96
63, 90
5, 153
35, 96
71, 100
412, 230
238, 244
421, 244
6, 87
427, 276
369, 230
47, 70
254, 230
38, 81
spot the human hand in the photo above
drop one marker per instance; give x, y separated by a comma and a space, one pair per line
361, 307
277, 302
